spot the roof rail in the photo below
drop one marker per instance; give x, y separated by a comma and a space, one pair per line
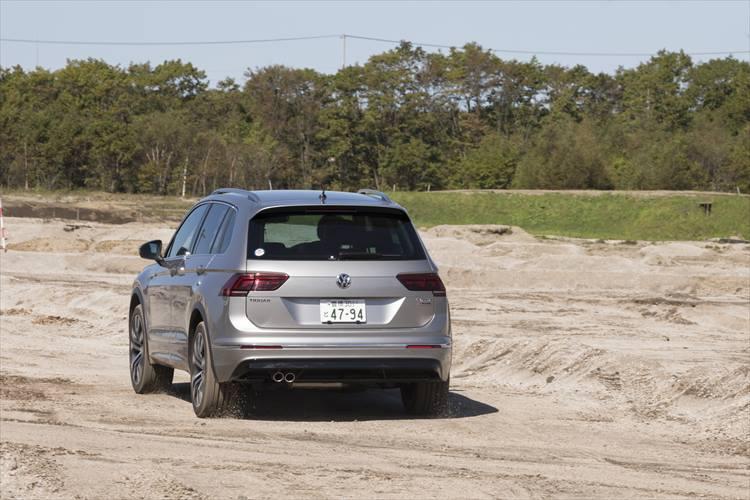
242, 192
375, 194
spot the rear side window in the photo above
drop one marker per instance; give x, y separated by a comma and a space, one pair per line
210, 228
332, 235
221, 243
185, 236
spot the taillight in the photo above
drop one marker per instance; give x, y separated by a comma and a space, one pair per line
240, 284
423, 282
266, 282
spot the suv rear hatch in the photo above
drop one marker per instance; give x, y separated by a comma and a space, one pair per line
338, 268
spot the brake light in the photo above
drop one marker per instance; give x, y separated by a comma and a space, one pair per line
423, 282
265, 282
241, 284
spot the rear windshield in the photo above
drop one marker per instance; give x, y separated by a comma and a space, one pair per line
333, 235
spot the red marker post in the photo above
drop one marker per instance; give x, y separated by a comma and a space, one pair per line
3, 244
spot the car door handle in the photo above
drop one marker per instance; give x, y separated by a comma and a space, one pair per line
201, 270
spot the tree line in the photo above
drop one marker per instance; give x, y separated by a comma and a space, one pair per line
406, 120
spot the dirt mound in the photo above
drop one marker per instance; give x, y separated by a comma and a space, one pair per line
18, 387
15, 311
50, 245
77, 245
29, 472
53, 320
479, 234
42, 210
122, 247
670, 253
714, 400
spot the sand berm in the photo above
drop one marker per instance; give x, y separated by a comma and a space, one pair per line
581, 369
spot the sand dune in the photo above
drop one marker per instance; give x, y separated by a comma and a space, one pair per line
581, 369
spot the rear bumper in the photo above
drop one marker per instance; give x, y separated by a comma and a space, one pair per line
239, 348
366, 370
336, 363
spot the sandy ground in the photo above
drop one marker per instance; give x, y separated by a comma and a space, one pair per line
581, 369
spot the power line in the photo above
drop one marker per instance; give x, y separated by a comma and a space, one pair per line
355, 37
205, 42
548, 52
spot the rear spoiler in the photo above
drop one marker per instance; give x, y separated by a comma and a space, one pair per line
341, 209
375, 194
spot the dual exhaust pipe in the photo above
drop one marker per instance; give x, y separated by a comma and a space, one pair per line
287, 377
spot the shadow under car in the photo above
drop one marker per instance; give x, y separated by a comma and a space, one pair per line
336, 404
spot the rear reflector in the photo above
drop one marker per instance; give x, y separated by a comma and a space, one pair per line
423, 282
240, 284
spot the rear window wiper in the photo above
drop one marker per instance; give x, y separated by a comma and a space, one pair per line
367, 256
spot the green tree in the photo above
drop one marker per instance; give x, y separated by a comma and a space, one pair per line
564, 155
406, 117
491, 165
655, 91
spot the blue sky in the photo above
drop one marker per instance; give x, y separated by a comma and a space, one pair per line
608, 26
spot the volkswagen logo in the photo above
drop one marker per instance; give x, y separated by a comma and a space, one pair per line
344, 280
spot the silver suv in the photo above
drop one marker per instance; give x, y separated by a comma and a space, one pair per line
288, 289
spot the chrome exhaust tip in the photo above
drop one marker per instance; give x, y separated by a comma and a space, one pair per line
278, 377
289, 377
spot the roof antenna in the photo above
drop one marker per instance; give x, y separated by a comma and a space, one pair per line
323, 196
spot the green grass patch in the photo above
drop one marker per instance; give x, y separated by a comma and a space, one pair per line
652, 216
629, 216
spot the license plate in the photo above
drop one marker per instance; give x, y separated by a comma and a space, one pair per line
343, 311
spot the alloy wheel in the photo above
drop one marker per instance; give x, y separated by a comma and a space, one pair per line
197, 379
137, 357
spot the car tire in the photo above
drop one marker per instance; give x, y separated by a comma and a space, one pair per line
210, 398
426, 398
144, 376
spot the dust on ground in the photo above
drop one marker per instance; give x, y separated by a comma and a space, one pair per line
581, 369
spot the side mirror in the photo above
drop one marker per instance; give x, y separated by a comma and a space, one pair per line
151, 251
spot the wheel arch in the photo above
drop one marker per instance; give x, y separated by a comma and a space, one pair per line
136, 299
198, 315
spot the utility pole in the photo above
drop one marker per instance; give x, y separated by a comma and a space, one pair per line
184, 176
343, 51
